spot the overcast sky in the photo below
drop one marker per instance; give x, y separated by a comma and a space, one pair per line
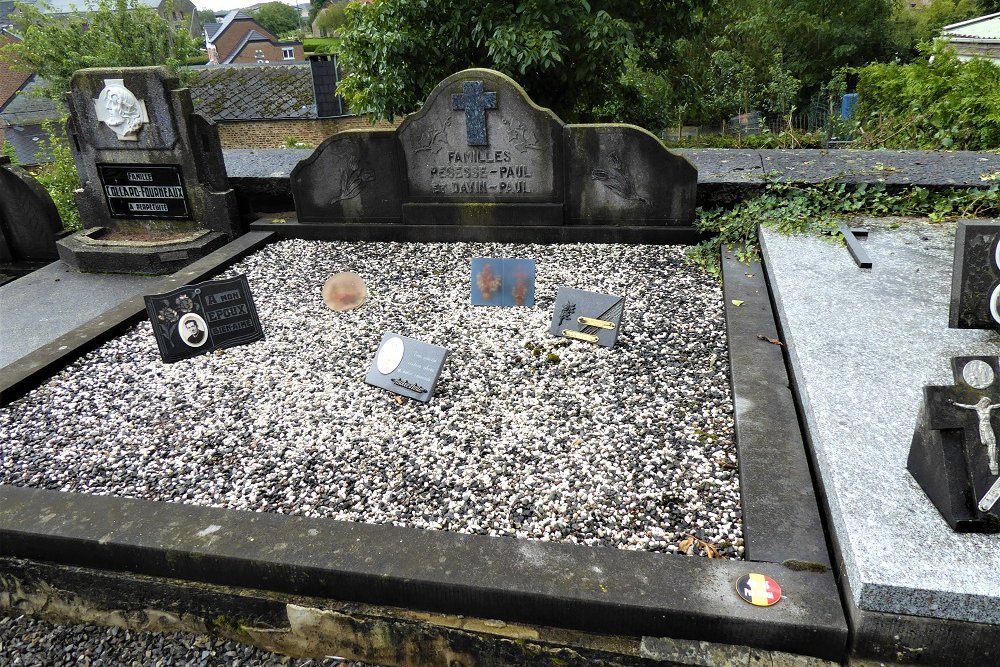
220, 5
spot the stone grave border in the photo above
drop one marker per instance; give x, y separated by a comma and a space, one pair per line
288, 582
410, 233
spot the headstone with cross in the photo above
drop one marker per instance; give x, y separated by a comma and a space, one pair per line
954, 452
481, 160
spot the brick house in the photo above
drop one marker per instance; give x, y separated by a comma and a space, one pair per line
240, 39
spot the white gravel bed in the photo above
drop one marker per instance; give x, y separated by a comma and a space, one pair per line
527, 436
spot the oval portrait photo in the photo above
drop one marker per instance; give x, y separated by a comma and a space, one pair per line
193, 330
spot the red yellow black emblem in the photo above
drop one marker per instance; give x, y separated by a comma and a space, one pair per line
758, 589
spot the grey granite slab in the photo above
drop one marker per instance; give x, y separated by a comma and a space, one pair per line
45, 304
862, 345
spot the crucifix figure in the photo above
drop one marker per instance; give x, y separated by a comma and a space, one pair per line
986, 434
474, 102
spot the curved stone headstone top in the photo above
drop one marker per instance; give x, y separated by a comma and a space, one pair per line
480, 152
480, 138
29, 221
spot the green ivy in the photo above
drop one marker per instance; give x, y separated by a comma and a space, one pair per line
794, 209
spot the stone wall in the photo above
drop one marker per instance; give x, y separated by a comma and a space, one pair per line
273, 133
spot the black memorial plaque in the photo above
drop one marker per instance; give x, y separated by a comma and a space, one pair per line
200, 318
144, 191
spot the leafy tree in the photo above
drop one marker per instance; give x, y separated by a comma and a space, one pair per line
575, 56
923, 23
332, 17
277, 17
206, 16
112, 33
934, 102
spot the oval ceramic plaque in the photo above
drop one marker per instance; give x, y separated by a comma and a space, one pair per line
389, 356
344, 291
978, 374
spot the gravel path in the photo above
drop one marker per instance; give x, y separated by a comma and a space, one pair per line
28, 642
527, 436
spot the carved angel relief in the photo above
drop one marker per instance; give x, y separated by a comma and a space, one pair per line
120, 110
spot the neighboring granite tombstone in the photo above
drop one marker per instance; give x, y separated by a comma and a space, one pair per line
975, 282
155, 194
953, 455
480, 154
29, 221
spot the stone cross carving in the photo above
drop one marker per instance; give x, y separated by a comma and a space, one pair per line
474, 102
987, 436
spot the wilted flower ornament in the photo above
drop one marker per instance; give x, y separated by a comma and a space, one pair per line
344, 291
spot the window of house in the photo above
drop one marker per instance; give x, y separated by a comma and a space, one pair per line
288, 53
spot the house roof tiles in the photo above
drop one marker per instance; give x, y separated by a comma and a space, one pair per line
253, 91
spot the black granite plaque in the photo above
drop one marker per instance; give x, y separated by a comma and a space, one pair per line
406, 366
144, 191
954, 455
975, 282
200, 318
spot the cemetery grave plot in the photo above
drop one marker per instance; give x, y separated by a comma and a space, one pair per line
527, 435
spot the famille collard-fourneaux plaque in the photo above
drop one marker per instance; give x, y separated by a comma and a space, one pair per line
407, 367
144, 191
196, 319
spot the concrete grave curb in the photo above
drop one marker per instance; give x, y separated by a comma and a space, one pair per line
559, 590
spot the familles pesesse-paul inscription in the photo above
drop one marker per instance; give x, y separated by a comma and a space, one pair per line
480, 142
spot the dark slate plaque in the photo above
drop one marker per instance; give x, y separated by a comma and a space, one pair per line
200, 318
406, 366
589, 316
975, 282
954, 455
144, 191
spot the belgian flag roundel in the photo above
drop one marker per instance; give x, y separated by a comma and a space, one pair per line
758, 589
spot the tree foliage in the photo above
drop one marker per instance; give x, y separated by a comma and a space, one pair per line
934, 102
919, 24
111, 33
573, 56
332, 17
277, 17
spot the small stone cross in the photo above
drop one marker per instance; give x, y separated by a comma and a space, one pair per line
474, 102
